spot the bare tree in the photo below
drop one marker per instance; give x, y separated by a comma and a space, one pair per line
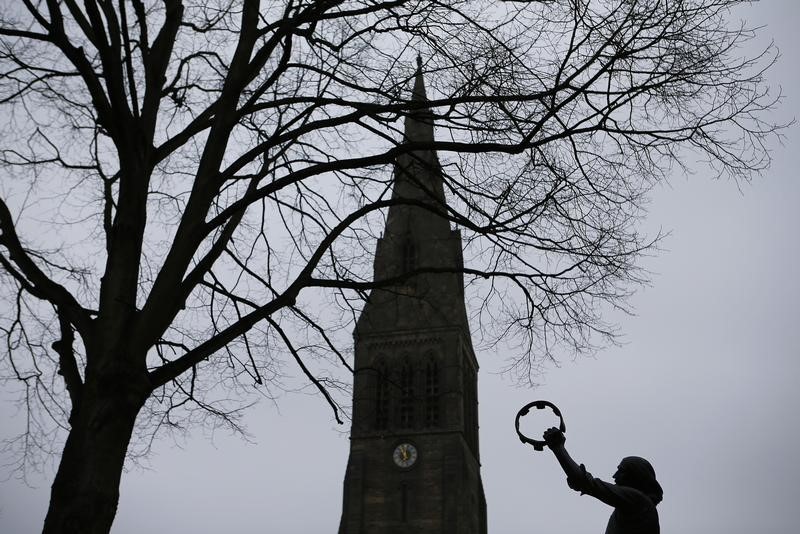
185, 183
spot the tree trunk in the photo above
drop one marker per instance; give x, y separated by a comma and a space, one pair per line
85, 493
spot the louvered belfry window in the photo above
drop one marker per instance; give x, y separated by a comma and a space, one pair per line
431, 392
406, 395
381, 397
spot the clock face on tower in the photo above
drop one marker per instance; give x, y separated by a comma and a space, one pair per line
404, 455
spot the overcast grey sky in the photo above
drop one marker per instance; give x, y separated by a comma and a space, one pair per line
705, 387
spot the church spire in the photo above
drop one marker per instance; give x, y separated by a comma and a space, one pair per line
415, 379
417, 236
419, 122
418, 174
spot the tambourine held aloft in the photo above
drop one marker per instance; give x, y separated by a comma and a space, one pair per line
538, 444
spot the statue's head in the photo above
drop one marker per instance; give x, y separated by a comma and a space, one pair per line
637, 473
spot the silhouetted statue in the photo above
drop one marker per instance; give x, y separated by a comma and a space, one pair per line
634, 495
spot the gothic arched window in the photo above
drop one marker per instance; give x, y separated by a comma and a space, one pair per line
431, 392
381, 397
406, 395
404, 502
469, 384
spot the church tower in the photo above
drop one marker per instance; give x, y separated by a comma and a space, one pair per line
414, 465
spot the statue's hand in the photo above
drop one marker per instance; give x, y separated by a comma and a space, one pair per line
554, 438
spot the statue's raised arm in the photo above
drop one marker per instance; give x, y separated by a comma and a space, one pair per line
634, 494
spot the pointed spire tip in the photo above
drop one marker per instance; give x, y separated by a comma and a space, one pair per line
419, 123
